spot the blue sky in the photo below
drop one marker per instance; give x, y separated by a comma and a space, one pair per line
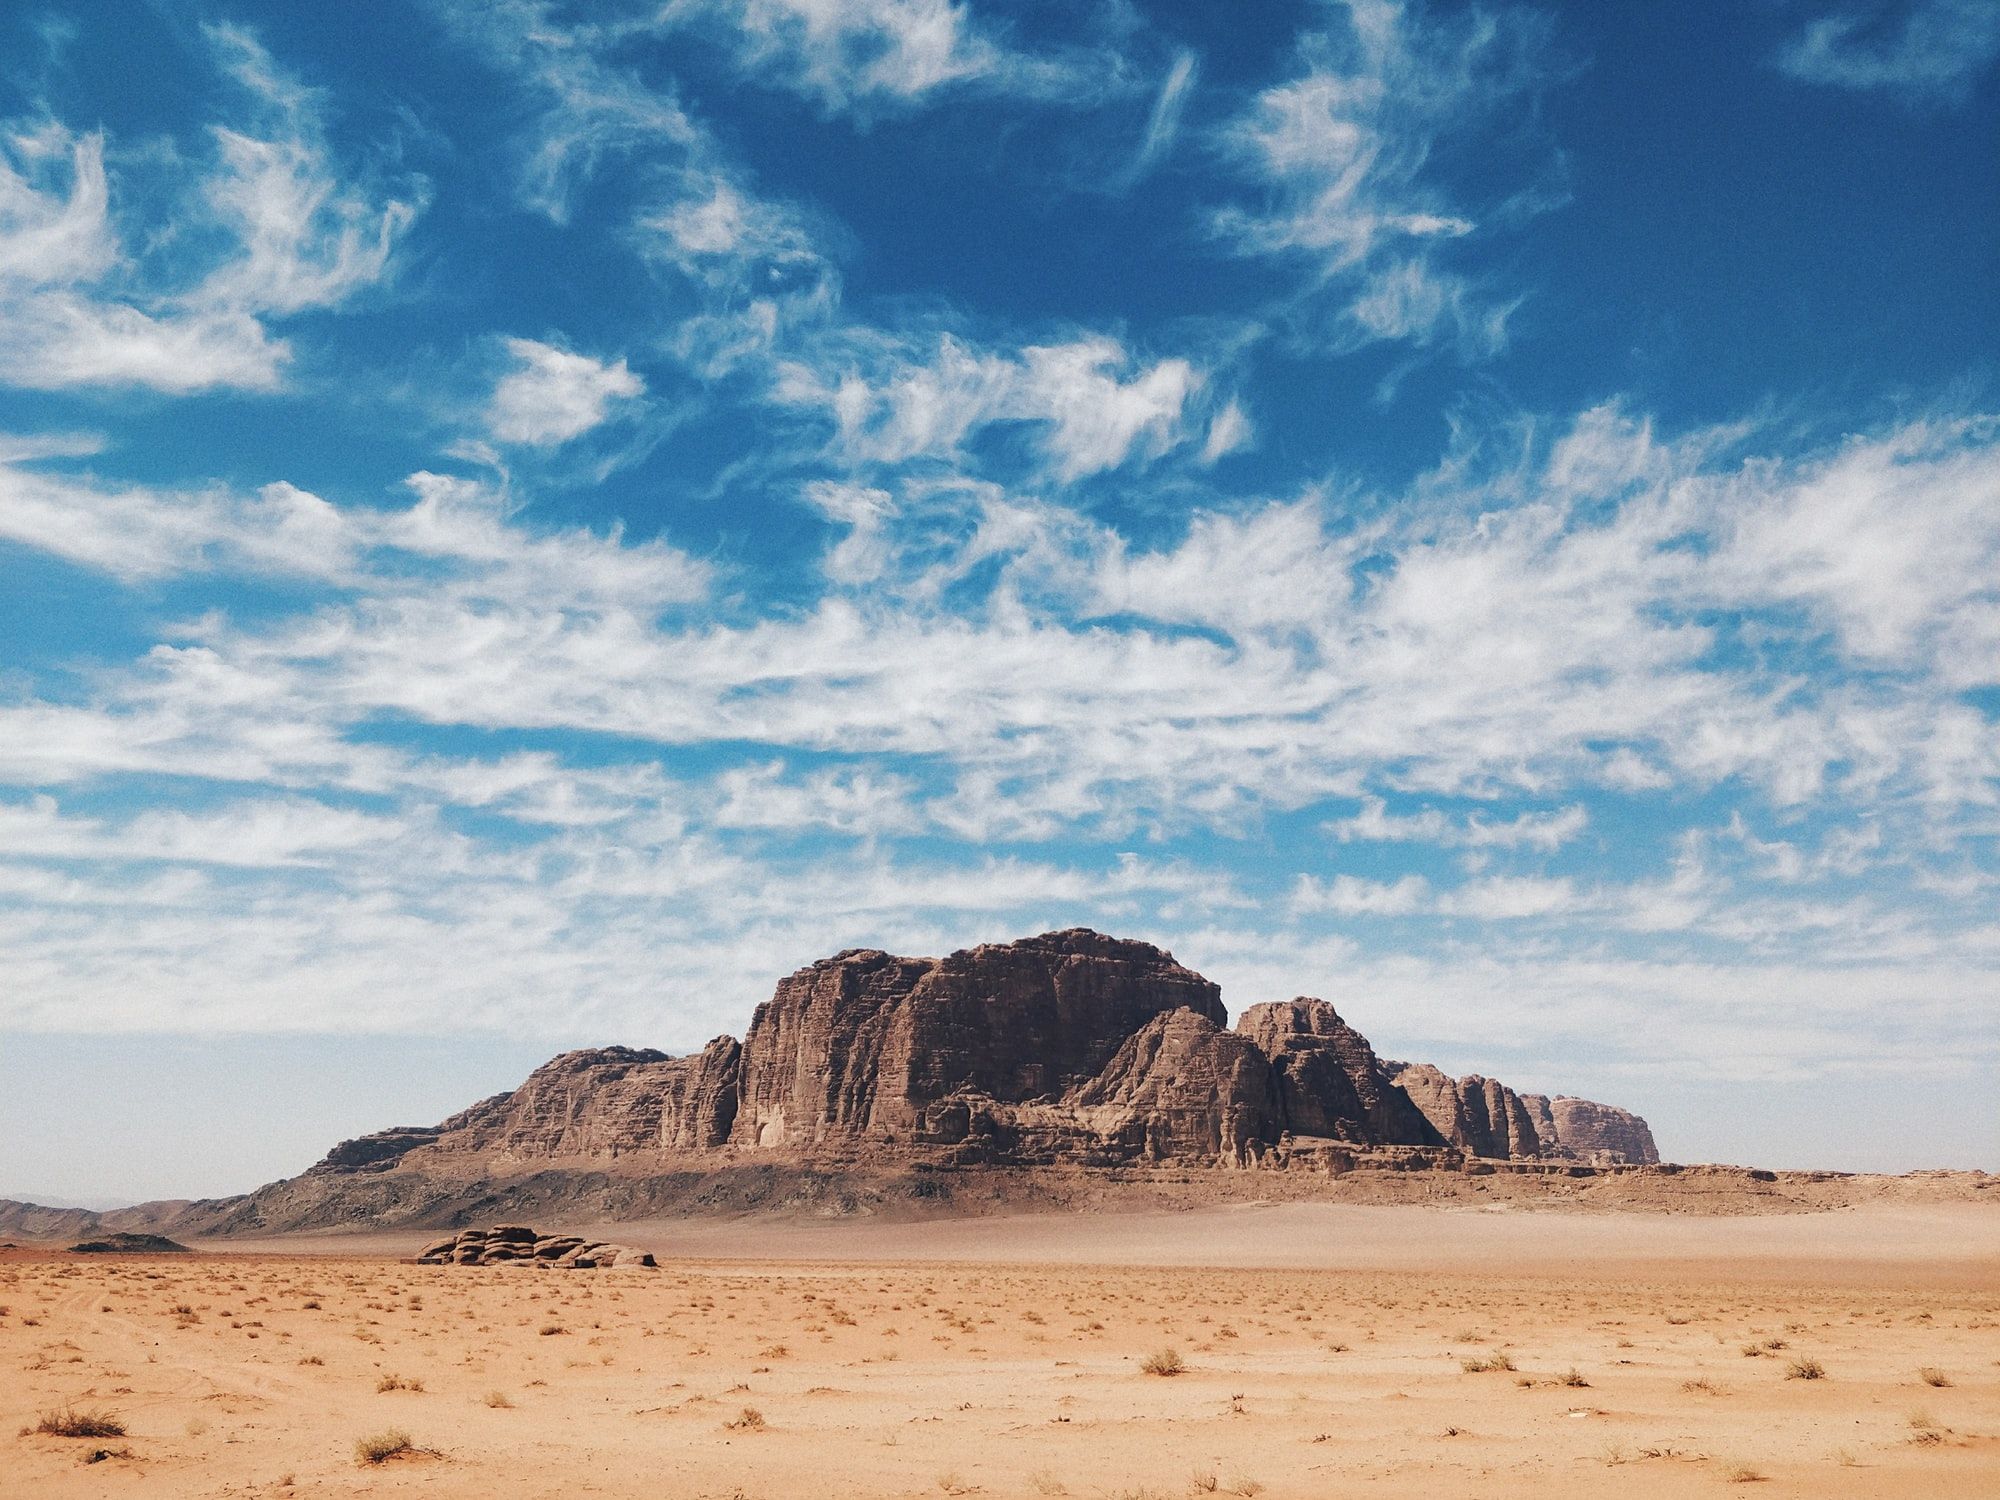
522, 523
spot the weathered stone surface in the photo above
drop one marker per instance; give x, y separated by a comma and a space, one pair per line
516, 1244
859, 1045
1184, 1089
1477, 1114
1592, 1131
378, 1152
1330, 1082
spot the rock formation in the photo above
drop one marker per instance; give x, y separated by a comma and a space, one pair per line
1068, 1048
516, 1244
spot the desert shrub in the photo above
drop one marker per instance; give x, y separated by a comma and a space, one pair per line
498, 1399
71, 1423
1166, 1361
1573, 1377
1932, 1375
1499, 1360
382, 1446
1805, 1368
747, 1420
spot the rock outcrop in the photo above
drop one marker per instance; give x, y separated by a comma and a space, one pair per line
1071, 1048
516, 1244
1330, 1081
1181, 1088
857, 1047
1599, 1132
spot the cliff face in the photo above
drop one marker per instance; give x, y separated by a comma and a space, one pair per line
1071, 1047
858, 1046
1329, 1078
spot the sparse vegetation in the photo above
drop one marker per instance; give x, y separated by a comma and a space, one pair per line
1932, 1375
398, 1383
1165, 1361
1573, 1377
498, 1399
747, 1420
1702, 1386
383, 1446
1742, 1474
1487, 1364
72, 1423
1805, 1368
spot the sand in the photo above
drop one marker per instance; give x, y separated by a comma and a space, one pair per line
1328, 1350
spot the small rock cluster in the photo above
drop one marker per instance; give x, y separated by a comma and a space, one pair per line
504, 1244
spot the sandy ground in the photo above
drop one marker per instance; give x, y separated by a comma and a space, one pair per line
1328, 1351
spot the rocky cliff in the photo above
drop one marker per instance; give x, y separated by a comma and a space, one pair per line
1071, 1048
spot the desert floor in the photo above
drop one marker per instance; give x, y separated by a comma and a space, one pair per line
1328, 1351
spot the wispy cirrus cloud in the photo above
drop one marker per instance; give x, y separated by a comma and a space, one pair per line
1927, 51
1345, 154
78, 307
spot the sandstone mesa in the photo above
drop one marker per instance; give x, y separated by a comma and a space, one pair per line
1035, 1072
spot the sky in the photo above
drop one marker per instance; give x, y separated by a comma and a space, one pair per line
521, 523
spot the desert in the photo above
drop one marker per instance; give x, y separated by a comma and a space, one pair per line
1285, 1350
1116, 749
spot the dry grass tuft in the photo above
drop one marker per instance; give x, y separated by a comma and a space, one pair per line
1805, 1368
498, 1399
747, 1420
1166, 1361
1573, 1377
1491, 1363
1932, 1375
1742, 1474
383, 1446
71, 1423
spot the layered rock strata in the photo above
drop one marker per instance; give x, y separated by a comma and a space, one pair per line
516, 1244
1071, 1047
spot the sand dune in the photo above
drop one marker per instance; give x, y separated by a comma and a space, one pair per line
1328, 1350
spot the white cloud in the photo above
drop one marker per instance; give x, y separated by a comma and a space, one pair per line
1351, 896
77, 308
282, 531
1375, 824
1526, 631
1502, 898
553, 395
848, 52
892, 402
1163, 125
1923, 49
1346, 153
1228, 430
865, 56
